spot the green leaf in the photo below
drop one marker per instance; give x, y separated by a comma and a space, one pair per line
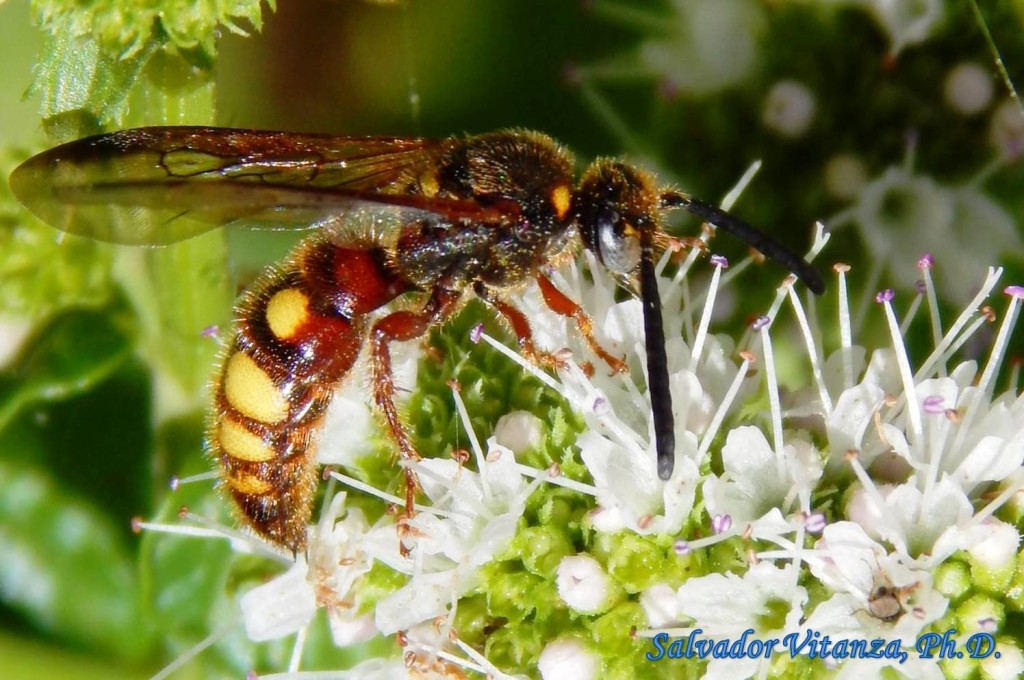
184, 579
100, 444
70, 354
95, 54
83, 89
123, 28
26, 659
39, 271
64, 566
182, 576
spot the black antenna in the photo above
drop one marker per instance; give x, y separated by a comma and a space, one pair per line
746, 233
657, 360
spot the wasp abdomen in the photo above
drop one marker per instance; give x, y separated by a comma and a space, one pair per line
300, 330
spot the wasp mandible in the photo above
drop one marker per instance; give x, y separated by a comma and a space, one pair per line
434, 221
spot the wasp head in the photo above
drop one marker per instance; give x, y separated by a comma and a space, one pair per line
616, 209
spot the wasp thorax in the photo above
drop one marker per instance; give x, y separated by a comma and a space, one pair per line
614, 204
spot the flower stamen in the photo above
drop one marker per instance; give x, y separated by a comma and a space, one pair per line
193, 651
812, 352
845, 327
913, 407
943, 348
467, 425
176, 482
726, 403
705, 317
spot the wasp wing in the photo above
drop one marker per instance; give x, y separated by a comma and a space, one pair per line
158, 185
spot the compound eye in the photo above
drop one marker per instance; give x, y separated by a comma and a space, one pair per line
617, 246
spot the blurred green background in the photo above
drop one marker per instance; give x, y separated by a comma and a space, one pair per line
872, 119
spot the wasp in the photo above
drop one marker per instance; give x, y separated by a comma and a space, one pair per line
432, 222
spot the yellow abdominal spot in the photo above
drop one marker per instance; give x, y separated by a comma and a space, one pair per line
561, 200
240, 443
287, 310
250, 390
247, 484
429, 185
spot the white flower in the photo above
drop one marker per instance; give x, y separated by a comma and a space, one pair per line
880, 510
660, 605
583, 584
963, 228
849, 424
280, 607
472, 516
567, 658
789, 108
765, 599
968, 88
618, 448
986, 447
999, 546
728, 604
1009, 664
337, 560
421, 661
876, 595
845, 176
912, 666
630, 494
917, 458
481, 509
518, 431
287, 603
687, 53
906, 23
351, 420
1006, 129
756, 479
426, 597
952, 435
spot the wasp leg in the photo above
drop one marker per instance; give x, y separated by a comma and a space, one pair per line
559, 303
396, 327
521, 328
